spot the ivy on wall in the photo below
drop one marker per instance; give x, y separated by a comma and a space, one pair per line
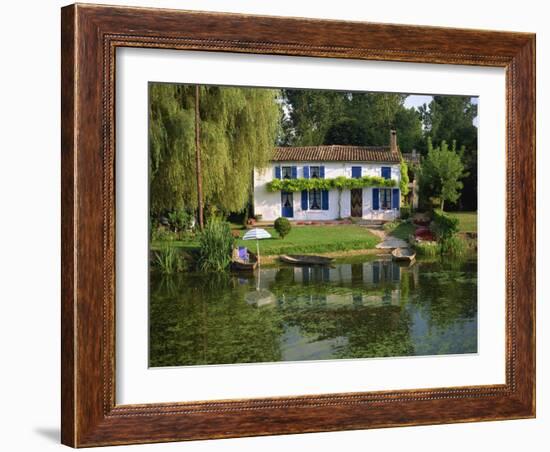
404, 182
340, 183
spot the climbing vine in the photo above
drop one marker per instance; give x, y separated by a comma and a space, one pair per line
404, 182
340, 183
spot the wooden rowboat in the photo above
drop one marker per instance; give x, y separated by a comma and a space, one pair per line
403, 254
239, 265
305, 259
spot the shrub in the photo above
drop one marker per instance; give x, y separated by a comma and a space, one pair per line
405, 212
215, 246
444, 226
282, 226
161, 234
453, 246
428, 249
180, 220
169, 260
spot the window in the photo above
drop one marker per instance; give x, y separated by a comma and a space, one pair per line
286, 199
386, 172
315, 199
286, 172
315, 172
385, 198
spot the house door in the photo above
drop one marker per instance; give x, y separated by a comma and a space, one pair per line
287, 204
357, 202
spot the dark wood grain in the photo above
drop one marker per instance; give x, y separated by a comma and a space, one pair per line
90, 36
67, 224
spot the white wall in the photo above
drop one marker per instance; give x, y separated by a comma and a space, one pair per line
30, 268
268, 204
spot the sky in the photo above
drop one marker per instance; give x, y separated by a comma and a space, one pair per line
417, 100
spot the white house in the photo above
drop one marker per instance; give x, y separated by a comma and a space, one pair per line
370, 203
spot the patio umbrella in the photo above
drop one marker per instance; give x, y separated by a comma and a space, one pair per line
257, 234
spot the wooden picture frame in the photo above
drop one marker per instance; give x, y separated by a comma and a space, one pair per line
90, 36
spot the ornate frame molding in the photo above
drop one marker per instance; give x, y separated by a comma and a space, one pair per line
90, 37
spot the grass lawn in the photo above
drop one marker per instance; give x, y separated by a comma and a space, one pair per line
467, 221
303, 239
316, 239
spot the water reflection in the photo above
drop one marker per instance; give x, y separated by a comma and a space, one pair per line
355, 309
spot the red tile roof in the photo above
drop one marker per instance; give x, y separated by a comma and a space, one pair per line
337, 153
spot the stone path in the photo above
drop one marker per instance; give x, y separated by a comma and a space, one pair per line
388, 241
391, 242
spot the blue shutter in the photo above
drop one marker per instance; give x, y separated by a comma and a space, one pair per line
277, 172
324, 199
306, 172
322, 172
294, 172
304, 199
395, 198
386, 172
375, 199
356, 172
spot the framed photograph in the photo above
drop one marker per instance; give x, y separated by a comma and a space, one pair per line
281, 225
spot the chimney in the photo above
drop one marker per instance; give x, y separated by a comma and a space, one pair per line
393, 140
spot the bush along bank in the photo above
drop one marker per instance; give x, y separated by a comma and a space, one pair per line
448, 242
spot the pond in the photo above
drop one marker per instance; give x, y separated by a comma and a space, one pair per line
358, 308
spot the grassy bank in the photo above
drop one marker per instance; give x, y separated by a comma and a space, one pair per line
303, 239
316, 239
467, 221
403, 230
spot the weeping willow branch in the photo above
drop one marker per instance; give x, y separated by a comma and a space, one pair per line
340, 183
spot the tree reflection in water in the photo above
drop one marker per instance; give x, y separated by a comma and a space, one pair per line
356, 309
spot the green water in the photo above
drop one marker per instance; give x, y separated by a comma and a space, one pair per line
360, 308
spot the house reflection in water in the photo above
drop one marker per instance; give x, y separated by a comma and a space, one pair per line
366, 283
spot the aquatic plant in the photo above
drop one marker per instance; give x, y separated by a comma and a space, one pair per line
168, 260
453, 246
215, 246
428, 249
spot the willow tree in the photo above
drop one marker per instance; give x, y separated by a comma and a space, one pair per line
238, 128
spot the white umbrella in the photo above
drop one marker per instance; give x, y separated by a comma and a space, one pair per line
257, 234
258, 298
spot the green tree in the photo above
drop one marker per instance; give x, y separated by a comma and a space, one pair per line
346, 132
238, 129
441, 173
452, 118
408, 125
310, 113
316, 117
377, 113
